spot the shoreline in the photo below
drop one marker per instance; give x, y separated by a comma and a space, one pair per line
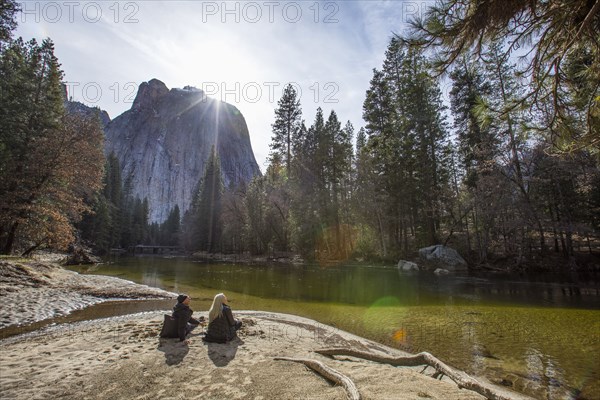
581, 262
123, 357
32, 291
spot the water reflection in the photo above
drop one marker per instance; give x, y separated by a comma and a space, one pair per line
361, 285
151, 278
544, 374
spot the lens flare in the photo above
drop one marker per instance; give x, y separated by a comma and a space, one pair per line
400, 336
335, 244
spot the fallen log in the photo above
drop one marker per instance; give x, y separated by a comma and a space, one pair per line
328, 373
462, 379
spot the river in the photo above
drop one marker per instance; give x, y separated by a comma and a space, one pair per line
540, 336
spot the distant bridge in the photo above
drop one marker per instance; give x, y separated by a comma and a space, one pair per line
145, 249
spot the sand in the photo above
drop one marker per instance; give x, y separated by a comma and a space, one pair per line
32, 291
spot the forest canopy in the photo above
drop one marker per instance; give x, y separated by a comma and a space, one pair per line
505, 170
50, 161
556, 43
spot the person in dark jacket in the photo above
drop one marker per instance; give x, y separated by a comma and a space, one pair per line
183, 315
222, 326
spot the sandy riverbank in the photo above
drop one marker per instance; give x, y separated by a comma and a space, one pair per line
32, 291
123, 358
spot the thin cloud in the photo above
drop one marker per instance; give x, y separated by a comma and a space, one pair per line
182, 43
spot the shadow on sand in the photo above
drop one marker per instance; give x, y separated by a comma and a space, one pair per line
222, 354
175, 351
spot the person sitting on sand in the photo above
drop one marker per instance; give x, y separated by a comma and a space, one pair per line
221, 324
183, 315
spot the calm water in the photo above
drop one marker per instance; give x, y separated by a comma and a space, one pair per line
536, 336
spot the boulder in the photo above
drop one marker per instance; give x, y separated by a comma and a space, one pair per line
441, 271
440, 256
407, 266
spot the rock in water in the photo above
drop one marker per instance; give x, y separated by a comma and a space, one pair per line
407, 266
163, 144
442, 256
441, 271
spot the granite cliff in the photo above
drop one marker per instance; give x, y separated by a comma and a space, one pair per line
75, 107
163, 143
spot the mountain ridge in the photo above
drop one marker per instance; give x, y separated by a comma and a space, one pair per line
163, 142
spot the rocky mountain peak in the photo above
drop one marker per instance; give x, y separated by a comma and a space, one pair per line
164, 141
75, 107
148, 93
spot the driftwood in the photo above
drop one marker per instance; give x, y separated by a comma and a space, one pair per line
328, 373
462, 379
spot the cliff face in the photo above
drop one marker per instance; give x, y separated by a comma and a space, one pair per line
163, 143
75, 107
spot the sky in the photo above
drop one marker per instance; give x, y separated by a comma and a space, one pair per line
242, 52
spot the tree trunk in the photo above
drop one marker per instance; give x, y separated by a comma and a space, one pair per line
383, 247
10, 239
27, 252
329, 373
405, 235
468, 232
480, 250
554, 231
517, 162
462, 379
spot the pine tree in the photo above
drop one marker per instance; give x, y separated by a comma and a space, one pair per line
407, 133
361, 141
378, 111
256, 233
139, 222
377, 183
95, 225
477, 146
209, 206
113, 192
170, 229
499, 114
235, 219
306, 194
103, 227
8, 23
286, 128
344, 157
553, 32
277, 210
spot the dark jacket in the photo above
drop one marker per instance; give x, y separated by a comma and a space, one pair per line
222, 328
183, 314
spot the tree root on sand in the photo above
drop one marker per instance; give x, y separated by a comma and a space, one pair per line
328, 373
462, 379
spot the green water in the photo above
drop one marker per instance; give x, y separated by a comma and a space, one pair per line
540, 337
